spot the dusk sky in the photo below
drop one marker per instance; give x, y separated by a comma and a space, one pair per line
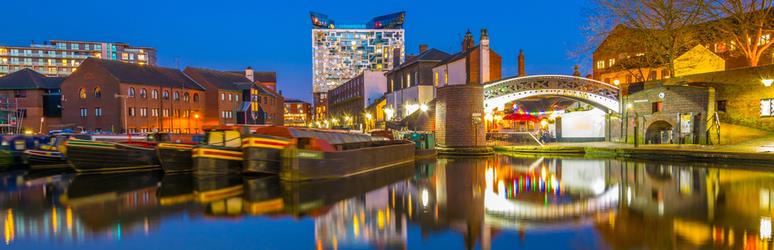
276, 36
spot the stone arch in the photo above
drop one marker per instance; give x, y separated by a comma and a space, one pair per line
596, 93
656, 132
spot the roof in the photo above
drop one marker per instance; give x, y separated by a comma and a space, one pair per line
293, 100
29, 79
458, 56
430, 55
260, 76
221, 79
145, 74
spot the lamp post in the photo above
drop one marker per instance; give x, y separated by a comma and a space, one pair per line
636, 123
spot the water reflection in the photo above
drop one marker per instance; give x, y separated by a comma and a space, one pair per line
482, 202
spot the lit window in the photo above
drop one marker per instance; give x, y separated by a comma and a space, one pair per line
445, 77
97, 92
176, 96
435, 78
765, 39
222, 96
155, 94
131, 112
143, 93
131, 92
600, 64
82, 93
98, 112
143, 112
186, 97
611, 62
766, 107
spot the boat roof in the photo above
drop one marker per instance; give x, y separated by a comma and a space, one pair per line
331, 136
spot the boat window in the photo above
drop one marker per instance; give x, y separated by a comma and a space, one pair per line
233, 139
228, 138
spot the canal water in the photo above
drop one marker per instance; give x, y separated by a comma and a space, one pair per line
500, 202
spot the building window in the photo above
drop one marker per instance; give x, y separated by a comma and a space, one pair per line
652, 75
435, 78
97, 92
165, 113
600, 64
222, 96
131, 92
144, 112
195, 97
155, 112
186, 97
20, 93
98, 112
445, 77
657, 107
132, 112
155, 94
611, 62
766, 107
143, 93
165, 95
176, 96
84, 112
82, 93
722, 105
229, 97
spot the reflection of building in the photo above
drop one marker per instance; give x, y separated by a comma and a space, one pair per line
61, 58
340, 52
348, 101
298, 113
364, 221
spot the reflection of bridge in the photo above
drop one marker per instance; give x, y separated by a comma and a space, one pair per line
599, 94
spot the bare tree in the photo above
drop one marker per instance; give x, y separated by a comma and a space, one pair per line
661, 29
749, 24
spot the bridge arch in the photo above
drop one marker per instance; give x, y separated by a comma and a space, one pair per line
599, 94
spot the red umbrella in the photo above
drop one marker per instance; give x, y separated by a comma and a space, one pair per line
521, 117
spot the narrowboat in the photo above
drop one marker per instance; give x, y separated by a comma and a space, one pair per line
93, 156
220, 153
174, 151
48, 155
424, 142
314, 158
262, 150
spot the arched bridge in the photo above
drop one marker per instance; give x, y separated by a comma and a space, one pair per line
599, 94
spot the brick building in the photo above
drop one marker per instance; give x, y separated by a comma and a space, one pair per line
622, 58
112, 96
298, 113
474, 64
669, 114
348, 101
33, 98
234, 98
411, 84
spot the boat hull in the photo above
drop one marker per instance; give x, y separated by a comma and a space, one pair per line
43, 157
303, 165
175, 157
214, 160
262, 154
91, 156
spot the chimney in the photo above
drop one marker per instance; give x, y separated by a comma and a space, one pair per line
422, 48
249, 74
576, 71
396, 57
484, 58
521, 63
467, 42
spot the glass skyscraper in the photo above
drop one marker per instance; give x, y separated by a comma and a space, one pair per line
341, 52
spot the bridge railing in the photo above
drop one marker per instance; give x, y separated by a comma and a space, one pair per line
512, 139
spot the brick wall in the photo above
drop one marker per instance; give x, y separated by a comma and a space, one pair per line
676, 100
454, 109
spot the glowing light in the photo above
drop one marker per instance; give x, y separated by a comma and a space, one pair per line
389, 112
617, 82
765, 228
355, 226
425, 197
196, 116
380, 219
368, 116
544, 122
629, 106
423, 107
488, 116
767, 82
27, 132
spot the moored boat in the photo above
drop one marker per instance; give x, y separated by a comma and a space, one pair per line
315, 159
262, 150
175, 151
47, 155
220, 153
91, 156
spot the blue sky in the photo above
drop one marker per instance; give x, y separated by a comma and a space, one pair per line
276, 36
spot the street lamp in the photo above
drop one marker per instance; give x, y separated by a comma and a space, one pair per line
388, 113
616, 82
423, 107
767, 82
